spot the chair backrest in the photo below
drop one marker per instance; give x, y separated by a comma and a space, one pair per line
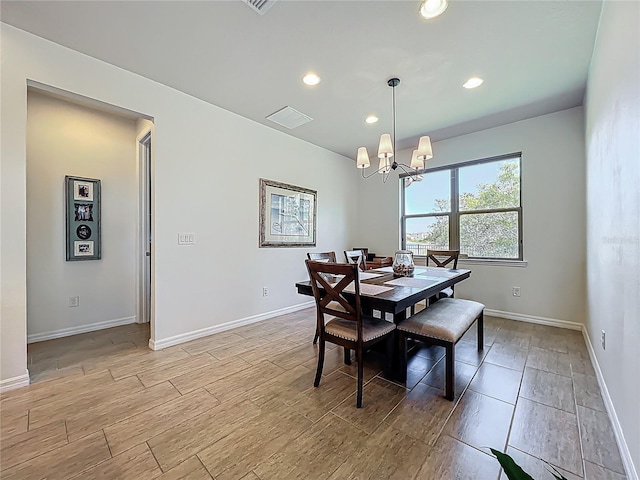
356, 257
442, 258
322, 256
329, 282
365, 251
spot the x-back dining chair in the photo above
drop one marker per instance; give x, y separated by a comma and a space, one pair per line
444, 259
340, 318
322, 257
357, 257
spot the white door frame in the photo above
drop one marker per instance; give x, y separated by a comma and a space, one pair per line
144, 297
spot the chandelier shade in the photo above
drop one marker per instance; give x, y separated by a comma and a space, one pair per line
363, 158
387, 147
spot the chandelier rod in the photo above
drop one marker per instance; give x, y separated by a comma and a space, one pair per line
393, 83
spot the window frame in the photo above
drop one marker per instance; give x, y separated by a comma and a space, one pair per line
454, 214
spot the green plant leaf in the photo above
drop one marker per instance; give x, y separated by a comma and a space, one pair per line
511, 468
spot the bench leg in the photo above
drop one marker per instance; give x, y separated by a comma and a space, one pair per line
481, 331
402, 356
450, 370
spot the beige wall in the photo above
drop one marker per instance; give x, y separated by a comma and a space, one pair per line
553, 189
67, 139
613, 214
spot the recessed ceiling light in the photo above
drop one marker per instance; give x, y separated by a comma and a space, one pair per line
432, 8
473, 82
371, 119
311, 79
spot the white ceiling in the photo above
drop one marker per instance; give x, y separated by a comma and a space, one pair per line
533, 55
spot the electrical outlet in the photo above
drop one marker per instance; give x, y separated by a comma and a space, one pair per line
603, 339
516, 291
265, 291
74, 301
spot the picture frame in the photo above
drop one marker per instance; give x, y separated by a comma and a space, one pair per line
82, 218
287, 215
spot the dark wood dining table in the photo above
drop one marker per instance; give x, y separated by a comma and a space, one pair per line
398, 296
401, 294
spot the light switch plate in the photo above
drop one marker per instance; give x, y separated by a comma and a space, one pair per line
186, 239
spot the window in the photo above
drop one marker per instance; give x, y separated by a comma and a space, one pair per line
474, 207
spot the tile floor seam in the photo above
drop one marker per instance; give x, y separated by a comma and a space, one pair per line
152, 454
580, 442
197, 455
515, 405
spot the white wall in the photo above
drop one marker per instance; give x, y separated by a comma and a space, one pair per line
613, 212
67, 139
207, 165
553, 190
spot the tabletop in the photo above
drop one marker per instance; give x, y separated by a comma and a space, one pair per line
381, 290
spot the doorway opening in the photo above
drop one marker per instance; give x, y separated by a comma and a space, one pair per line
81, 312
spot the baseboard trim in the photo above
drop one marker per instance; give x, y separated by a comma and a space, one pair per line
15, 382
186, 337
65, 332
629, 468
552, 322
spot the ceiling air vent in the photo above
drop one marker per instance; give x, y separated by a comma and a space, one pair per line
260, 6
289, 117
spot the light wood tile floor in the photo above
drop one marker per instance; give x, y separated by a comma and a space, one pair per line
241, 405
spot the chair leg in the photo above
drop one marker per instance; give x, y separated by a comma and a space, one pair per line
450, 372
360, 377
315, 338
347, 356
320, 363
481, 331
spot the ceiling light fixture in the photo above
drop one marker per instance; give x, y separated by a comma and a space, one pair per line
387, 148
473, 82
432, 8
371, 119
311, 79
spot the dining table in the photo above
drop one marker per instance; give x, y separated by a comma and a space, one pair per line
384, 291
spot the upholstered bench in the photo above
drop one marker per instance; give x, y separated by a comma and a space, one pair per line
442, 323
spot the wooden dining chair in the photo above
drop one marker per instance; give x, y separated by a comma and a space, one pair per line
322, 257
357, 257
444, 259
336, 290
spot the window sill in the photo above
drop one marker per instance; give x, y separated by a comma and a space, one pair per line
493, 263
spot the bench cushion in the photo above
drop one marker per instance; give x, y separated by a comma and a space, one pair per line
371, 328
446, 319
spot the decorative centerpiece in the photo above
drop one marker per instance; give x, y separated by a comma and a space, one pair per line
403, 265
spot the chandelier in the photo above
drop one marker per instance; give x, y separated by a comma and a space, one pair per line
387, 147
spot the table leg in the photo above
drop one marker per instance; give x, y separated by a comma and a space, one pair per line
394, 370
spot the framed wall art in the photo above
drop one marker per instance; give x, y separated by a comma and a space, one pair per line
287, 215
82, 215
